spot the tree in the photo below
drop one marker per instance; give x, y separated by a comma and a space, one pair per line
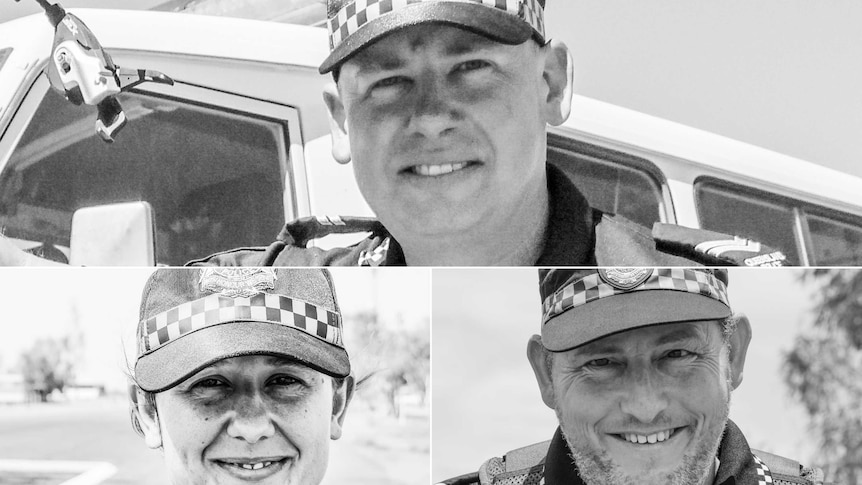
47, 366
824, 371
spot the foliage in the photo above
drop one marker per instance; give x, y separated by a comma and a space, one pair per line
47, 366
824, 371
390, 357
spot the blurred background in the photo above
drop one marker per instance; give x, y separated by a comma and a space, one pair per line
65, 336
799, 398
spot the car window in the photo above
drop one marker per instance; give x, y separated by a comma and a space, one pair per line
755, 217
834, 242
612, 182
825, 236
213, 177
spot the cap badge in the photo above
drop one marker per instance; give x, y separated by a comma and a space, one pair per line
237, 282
625, 278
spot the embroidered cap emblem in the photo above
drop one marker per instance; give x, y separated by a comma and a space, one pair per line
625, 278
237, 282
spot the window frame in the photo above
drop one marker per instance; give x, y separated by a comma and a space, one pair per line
295, 192
800, 209
563, 141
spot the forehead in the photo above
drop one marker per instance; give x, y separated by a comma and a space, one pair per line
441, 40
654, 336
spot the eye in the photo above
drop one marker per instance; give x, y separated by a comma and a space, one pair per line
390, 82
679, 354
284, 380
210, 383
599, 363
472, 65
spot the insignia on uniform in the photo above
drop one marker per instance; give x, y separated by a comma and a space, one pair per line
237, 282
375, 257
625, 278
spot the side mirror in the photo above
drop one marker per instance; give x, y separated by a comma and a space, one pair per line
113, 235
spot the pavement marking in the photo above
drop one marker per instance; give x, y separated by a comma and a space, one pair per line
89, 472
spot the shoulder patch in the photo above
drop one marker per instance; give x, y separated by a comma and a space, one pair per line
300, 231
714, 248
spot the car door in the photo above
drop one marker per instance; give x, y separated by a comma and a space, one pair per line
216, 167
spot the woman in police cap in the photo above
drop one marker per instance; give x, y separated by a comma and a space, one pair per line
241, 374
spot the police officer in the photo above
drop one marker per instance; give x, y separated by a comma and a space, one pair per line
442, 106
639, 365
241, 374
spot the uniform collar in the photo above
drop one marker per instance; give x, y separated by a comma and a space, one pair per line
569, 237
737, 465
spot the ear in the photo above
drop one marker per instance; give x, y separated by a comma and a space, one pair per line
536, 353
738, 349
340, 400
337, 123
148, 418
559, 75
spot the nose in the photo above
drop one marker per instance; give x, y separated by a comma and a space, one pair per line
251, 421
643, 396
434, 114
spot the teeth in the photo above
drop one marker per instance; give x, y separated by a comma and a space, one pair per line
653, 438
435, 170
253, 466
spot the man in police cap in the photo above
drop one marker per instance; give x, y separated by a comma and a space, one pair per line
639, 365
443, 106
241, 374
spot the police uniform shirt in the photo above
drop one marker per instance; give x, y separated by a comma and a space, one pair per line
738, 465
576, 235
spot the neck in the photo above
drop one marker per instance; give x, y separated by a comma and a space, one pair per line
517, 239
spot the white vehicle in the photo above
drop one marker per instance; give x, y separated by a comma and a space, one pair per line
239, 145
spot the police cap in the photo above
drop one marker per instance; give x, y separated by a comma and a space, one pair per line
354, 24
191, 318
583, 305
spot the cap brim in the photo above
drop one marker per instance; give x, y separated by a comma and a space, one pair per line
171, 364
492, 23
607, 316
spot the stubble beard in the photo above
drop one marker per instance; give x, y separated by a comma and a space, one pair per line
597, 468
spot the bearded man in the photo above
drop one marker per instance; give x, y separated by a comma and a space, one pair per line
639, 365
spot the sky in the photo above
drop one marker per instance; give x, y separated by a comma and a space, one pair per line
781, 74
485, 398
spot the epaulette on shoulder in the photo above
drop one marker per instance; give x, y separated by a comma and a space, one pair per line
524, 466
714, 248
786, 471
300, 231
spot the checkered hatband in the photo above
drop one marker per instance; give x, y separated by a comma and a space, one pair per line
211, 310
764, 476
592, 288
354, 14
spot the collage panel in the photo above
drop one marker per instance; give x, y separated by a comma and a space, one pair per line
214, 375
634, 391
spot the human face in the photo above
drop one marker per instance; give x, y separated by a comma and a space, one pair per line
446, 129
645, 406
266, 413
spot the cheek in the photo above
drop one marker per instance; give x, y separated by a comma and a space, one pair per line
580, 407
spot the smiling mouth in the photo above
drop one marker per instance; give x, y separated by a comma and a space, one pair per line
251, 466
647, 439
436, 170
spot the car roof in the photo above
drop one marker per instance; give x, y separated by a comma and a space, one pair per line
177, 33
709, 153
